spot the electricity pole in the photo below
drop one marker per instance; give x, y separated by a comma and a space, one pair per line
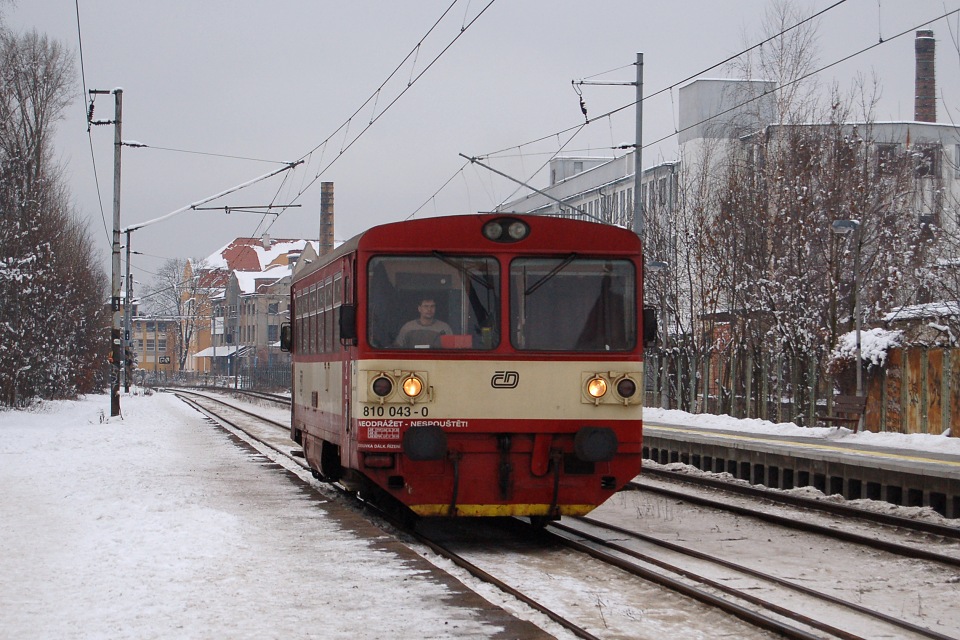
127, 311
639, 225
115, 341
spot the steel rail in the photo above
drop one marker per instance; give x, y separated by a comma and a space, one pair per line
820, 505
699, 555
744, 613
809, 527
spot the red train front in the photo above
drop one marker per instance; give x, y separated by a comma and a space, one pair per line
475, 365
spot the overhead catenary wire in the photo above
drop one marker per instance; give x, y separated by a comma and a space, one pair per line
202, 201
500, 153
806, 76
376, 96
344, 129
403, 91
89, 114
677, 83
140, 145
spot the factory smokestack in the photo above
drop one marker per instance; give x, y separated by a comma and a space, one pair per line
326, 218
925, 101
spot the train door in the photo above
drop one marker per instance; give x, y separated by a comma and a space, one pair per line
345, 291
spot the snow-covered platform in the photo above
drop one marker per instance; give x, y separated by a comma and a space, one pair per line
907, 470
162, 525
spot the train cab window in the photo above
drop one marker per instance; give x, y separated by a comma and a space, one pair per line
452, 302
573, 304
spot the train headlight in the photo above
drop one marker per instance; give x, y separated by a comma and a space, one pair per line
412, 386
626, 387
382, 386
596, 387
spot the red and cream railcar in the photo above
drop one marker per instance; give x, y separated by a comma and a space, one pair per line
529, 405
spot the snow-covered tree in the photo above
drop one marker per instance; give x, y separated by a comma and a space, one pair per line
52, 329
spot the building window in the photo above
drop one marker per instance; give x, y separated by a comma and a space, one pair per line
887, 158
273, 308
273, 332
956, 161
162, 345
151, 345
927, 161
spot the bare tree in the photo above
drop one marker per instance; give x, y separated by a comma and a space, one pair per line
180, 293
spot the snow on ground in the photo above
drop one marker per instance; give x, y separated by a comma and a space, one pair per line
908, 441
159, 526
919, 443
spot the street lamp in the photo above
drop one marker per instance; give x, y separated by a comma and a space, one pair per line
852, 228
661, 268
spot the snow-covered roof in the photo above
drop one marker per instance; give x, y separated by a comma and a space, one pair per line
874, 345
247, 280
924, 311
250, 254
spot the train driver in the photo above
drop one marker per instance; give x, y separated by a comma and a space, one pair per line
425, 331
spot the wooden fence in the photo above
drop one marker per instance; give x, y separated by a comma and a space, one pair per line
916, 391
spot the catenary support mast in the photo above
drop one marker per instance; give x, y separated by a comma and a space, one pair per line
116, 344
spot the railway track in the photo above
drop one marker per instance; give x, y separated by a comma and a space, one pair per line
908, 538
283, 400
784, 607
760, 493
549, 572
226, 414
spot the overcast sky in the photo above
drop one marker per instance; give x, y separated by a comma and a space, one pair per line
272, 81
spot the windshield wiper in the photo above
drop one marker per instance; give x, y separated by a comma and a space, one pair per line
482, 280
557, 269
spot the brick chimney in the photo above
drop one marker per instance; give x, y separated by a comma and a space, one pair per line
326, 218
925, 101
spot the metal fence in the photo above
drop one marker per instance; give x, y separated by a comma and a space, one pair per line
250, 377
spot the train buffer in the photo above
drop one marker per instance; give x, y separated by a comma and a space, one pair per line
846, 410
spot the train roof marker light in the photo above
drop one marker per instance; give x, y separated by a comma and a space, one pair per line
506, 230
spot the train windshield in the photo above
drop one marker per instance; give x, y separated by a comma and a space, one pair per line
573, 304
440, 301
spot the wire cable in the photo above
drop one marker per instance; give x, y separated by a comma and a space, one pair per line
402, 92
679, 82
140, 145
806, 76
93, 160
345, 146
